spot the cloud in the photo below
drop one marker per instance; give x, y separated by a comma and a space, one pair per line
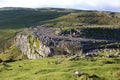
110, 5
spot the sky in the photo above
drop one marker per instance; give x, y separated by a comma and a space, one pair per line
101, 5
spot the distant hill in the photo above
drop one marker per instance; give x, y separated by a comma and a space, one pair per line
25, 17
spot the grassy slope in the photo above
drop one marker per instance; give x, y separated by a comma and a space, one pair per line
41, 70
13, 20
20, 18
87, 18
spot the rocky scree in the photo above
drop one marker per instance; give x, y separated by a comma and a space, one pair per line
40, 42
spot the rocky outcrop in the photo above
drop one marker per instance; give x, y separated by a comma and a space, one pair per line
40, 42
31, 46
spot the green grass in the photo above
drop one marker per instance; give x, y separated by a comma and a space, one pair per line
6, 38
13, 20
11, 54
7, 33
41, 70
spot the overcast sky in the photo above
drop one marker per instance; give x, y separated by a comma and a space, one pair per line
104, 5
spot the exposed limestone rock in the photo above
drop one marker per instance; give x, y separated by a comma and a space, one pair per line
40, 42
31, 46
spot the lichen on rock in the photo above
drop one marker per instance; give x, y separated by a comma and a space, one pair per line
31, 46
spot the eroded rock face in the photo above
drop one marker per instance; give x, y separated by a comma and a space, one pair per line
31, 46
40, 42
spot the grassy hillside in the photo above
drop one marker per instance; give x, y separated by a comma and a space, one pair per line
13, 20
87, 18
22, 17
48, 69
